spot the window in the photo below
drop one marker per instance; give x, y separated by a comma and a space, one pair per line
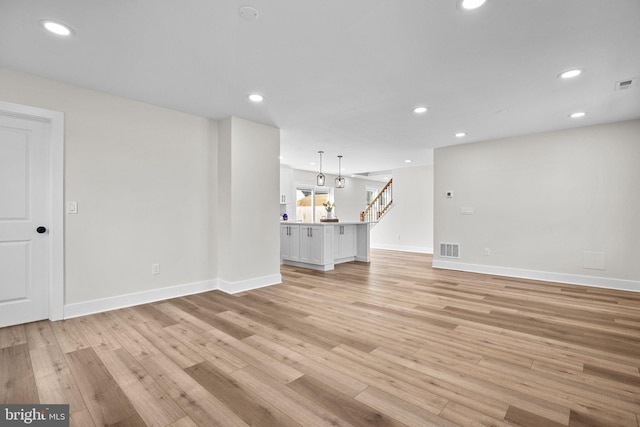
371, 194
309, 203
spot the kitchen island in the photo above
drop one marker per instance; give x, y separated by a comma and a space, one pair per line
322, 245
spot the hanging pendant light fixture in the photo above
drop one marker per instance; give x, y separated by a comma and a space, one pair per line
320, 177
340, 181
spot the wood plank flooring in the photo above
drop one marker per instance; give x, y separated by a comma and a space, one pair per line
390, 343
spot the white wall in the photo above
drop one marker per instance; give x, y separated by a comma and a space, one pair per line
139, 175
249, 178
408, 226
541, 201
350, 200
214, 191
147, 185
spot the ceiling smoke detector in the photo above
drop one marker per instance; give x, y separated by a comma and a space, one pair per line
248, 13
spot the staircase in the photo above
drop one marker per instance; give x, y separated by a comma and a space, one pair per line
380, 205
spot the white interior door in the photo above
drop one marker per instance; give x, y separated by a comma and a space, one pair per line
24, 217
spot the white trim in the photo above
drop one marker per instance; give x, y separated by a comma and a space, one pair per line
137, 298
343, 260
56, 197
319, 267
574, 279
403, 248
247, 285
56, 284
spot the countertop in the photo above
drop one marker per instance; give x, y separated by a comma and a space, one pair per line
324, 223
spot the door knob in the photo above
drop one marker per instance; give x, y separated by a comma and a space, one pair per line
41, 229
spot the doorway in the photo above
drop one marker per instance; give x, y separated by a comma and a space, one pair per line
309, 203
31, 214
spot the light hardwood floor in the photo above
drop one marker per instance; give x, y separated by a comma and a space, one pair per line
390, 343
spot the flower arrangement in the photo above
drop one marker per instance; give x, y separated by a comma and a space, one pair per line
329, 206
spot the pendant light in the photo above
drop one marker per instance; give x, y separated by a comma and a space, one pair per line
340, 181
320, 177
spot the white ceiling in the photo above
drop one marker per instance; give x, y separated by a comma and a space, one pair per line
343, 76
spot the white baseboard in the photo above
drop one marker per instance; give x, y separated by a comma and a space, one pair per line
574, 279
161, 294
128, 300
403, 248
247, 285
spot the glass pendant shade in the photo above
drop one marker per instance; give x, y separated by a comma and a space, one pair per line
320, 179
340, 181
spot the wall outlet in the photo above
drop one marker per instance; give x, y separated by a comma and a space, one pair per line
155, 268
487, 252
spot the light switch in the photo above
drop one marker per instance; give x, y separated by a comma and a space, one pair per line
72, 207
466, 211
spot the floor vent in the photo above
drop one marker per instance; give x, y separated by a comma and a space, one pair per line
449, 250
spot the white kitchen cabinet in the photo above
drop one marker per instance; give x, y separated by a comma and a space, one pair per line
322, 245
287, 190
312, 244
287, 193
290, 242
344, 242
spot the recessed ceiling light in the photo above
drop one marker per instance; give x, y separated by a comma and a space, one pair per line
407, 161
312, 163
420, 110
577, 115
460, 135
280, 157
57, 28
255, 97
570, 74
471, 4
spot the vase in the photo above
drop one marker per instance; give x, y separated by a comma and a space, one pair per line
330, 215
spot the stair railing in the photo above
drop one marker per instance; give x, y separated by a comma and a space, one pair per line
379, 205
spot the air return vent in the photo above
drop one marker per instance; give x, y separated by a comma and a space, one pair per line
626, 84
449, 250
